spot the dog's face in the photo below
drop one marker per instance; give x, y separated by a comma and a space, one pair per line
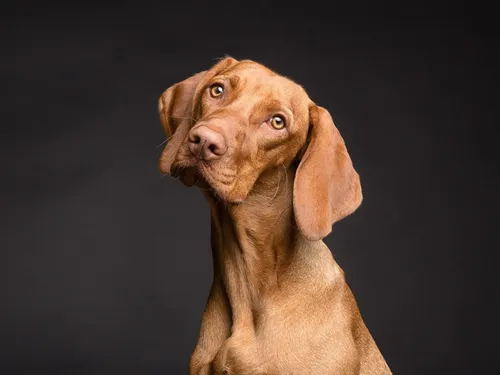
228, 125
246, 119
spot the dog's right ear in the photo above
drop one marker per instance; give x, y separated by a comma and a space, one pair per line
326, 187
176, 110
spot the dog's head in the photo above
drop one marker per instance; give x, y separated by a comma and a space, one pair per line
229, 124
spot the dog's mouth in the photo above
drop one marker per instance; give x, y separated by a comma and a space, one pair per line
218, 183
198, 175
189, 176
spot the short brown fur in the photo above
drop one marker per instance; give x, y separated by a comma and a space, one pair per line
279, 303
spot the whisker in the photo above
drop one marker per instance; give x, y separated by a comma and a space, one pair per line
284, 210
165, 141
161, 144
221, 58
286, 174
182, 118
277, 189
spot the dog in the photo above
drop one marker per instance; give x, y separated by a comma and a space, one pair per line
277, 175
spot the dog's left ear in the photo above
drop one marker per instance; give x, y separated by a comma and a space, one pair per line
176, 106
326, 187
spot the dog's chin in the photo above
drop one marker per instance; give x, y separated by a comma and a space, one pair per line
189, 176
193, 176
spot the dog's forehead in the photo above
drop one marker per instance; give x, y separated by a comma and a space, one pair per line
254, 75
254, 78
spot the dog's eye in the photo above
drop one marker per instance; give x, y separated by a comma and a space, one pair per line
216, 90
277, 122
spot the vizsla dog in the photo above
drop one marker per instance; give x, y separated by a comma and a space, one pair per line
277, 175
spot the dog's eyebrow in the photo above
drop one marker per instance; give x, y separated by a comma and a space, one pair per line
275, 106
233, 80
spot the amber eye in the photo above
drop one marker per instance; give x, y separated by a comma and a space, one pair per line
278, 122
216, 90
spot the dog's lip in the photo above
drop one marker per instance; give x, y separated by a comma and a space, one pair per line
196, 173
189, 175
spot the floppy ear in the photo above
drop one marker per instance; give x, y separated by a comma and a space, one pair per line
176, 106
326, 186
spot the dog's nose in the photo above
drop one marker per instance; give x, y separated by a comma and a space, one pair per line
206, 144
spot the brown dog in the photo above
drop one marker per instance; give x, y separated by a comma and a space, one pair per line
277, 175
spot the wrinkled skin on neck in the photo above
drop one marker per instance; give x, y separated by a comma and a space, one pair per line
254, 240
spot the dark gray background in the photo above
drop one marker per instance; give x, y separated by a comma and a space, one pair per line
106, 266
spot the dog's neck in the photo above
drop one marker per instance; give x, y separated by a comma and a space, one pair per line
253, 242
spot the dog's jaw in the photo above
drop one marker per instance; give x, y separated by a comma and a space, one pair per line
200, 174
